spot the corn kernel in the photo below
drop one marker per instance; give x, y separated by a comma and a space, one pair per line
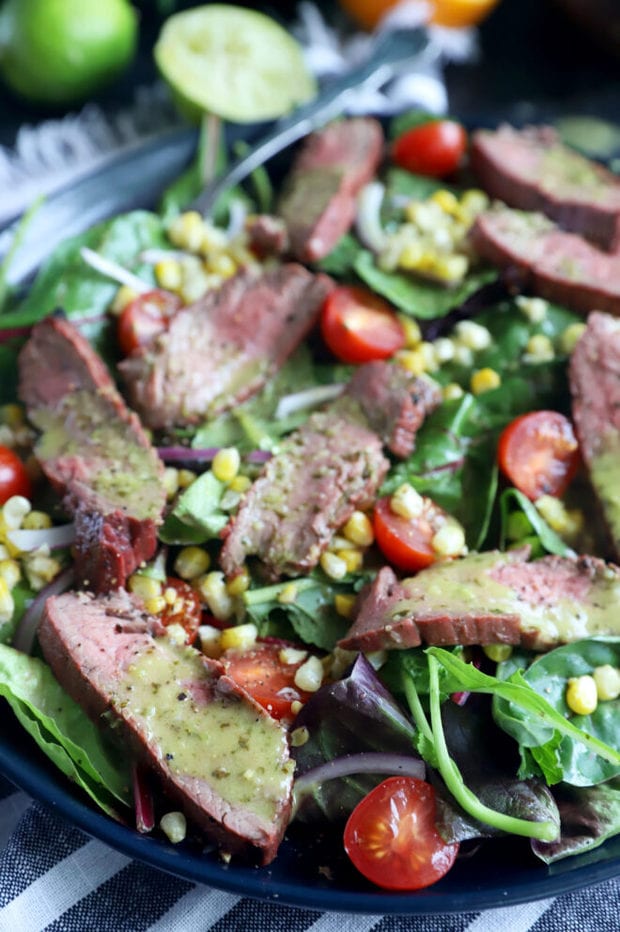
299, 736
240, 484
291, 655
452, 391
225, 465
535, 309
450, 268
411, 255
10, 572
155, 604
212, 588
241, 637
567, 523
124, 296
187, 231
210, 640
288, 594
14, 511
407, 502
353, 559
444, 349
171, 481
169, 274
497, 652
296, 706
429, 355
36, 521
474, 201
411, 330
446, 200
192, 562
174, 826
473, 335
358, 529
185, 477
222, 265
463, 356
570, 337
145, 587
41, 568
7, 605
539, 348
344, 604
170, 595
484, 380
332, 565
449, 540
239, 584
196, 284
607, 679
412, 360
309, 676
581, 695
213, 239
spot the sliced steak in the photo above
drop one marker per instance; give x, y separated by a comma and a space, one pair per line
594, 373
490, 598
219, 755
318, 201
94, 452
559, 266
393, 402
531, 169
225, 347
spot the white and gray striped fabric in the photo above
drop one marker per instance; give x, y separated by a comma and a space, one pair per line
53, 877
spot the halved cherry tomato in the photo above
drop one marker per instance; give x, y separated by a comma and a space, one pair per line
145, 317
406, 542
186, 610
538, 453
266, 678
457, 13
391, 836
359, 326
434, 148
14, 478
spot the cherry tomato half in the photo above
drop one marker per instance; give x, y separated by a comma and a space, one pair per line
391, 836
406, 542
269, 680
359, 327
538, 453
186, 610
14, 478
434, 149
145, 317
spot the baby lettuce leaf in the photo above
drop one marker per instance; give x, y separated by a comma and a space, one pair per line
62, 730
341, 260
197, 516
589, 816
512, 500
22, 596
564, 757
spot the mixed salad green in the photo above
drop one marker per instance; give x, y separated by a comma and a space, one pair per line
541, 769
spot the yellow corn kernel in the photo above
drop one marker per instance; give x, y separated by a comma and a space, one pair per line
192, 562
185, 477
239, 584
411, 330
535, 309
13, 416
451, 268
170, 596
497, 652
352, 557
411, 255
570, 337
187, 231
210, 640
10, 572
7, 605
358, 529
14, 511
155, 605
171, 481
240, 484
41, 568
241, 637
309, 676
36, 521
174, 826
607, 680
449, 540
444, 349
412, 360
288, 594
567, 523
452, 391
539, 348
299, 736
288, 655
145, 587
332, 565
225, 465
212, 588
169, 274
473, 335
222, 264
213, 239
463, 356
473, 201
581, 696
446, 200
124, 296
344, 604
195, 285
484, 380
407, 502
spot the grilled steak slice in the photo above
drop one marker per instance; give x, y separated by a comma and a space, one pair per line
556, 265
318, 202
94, 452
531, 169
594, 373
225, 347
219, 755
490, 598
394, 403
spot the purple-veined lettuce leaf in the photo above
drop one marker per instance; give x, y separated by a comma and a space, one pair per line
588, 815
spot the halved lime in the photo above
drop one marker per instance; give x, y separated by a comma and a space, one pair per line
236, 63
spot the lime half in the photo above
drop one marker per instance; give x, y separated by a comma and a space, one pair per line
236, 63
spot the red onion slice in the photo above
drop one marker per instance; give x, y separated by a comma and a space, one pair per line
205, 455
143, 800
53, 537
26, 630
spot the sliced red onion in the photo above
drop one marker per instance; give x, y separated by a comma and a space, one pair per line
153, 256
26, 630
113, 270
308, 398
53, 537
205, 455
143, 800
259, 456
237, 212
368, 220
11, 333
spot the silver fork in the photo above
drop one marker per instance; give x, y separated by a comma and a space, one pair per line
391, 54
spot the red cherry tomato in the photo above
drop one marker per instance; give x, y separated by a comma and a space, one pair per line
391, 836
269, 680
14, 478
186, 610
538, 453
358, 326
145, 317
434, 149
406, 542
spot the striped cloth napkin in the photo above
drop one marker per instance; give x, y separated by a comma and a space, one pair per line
54, 877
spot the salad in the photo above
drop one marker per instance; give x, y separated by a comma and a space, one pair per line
303, 503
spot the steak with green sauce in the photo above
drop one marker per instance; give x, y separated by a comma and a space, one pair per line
94, 452
225, 347
489, 598
532, 169
218, 754
594, 374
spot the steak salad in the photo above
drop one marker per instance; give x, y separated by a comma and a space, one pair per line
312, 515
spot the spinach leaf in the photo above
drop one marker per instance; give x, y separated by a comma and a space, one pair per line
341, 260
197, 515
550, 541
